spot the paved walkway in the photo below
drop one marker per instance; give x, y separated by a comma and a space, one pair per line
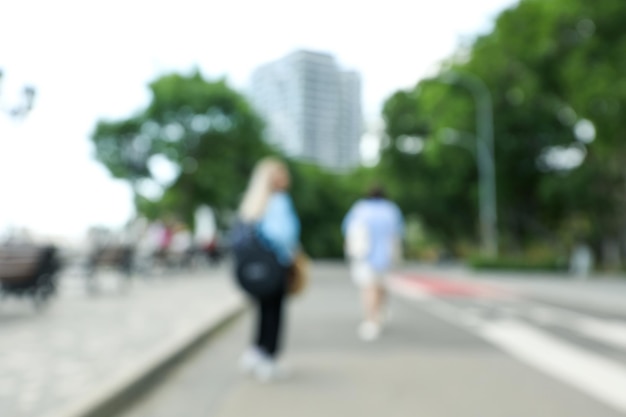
447, 354
459, 351
56, 362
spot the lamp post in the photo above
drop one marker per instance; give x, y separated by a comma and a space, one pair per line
26, 105
19, 110
484, 156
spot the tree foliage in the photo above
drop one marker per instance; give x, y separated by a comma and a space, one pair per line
207, 132
554, 70
552, 67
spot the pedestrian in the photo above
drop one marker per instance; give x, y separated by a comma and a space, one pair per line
206, 235
267, 206
181, 246
165, 242
373, 229
148, 246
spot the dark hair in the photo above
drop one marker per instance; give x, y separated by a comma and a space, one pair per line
376, 191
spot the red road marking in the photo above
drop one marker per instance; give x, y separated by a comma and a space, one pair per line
443, 287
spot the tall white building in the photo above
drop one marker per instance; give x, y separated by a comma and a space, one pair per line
312, 108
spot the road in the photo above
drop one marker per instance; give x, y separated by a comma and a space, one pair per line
452, 349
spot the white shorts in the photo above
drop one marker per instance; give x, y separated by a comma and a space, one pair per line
363, 275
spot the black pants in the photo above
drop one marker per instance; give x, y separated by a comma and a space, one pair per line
269, 325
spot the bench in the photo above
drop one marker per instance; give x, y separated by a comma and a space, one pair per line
19, 263
116, 256
28, 269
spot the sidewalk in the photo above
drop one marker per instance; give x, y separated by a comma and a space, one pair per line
602, 293
422, 365
83, 351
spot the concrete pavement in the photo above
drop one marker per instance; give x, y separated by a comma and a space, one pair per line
84, 352
449, 351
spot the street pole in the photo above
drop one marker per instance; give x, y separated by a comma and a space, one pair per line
23, 108
17, 111
484, 157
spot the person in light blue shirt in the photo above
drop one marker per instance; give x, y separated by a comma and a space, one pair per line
280, 227
373, 228
267, 204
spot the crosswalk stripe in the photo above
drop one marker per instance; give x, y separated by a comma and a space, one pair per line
597, 376
593, 374
609, 332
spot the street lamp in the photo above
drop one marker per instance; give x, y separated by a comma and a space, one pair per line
484, 156
22, 109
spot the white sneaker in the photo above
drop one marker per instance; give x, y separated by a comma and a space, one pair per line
267, 370
369, 331
250, 360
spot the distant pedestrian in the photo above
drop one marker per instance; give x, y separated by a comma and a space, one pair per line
167, 234
581, 261
148, 246
266, 213
181, 246
206, 235
373, 229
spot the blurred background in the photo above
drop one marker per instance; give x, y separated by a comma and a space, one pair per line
495, 125
129, 129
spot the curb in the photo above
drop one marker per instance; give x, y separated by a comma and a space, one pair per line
126, 388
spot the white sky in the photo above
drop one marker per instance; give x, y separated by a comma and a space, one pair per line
92, 59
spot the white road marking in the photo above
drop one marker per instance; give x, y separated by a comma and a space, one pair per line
610, 332
593, 374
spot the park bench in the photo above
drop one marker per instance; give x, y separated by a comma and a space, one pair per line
18, 263
119, 257
28, 270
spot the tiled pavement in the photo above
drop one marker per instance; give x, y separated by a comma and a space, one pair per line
53, 361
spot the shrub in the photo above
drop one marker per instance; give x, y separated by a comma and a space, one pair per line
517, 263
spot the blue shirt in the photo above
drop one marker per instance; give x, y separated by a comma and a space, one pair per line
384, 224
281, 227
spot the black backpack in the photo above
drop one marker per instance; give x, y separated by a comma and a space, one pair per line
257, 269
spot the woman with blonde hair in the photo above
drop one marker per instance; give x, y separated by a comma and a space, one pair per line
268, 211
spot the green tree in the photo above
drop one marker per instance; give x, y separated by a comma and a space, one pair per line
204, 128
322, 199
430, 180
547, 78
551, 67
